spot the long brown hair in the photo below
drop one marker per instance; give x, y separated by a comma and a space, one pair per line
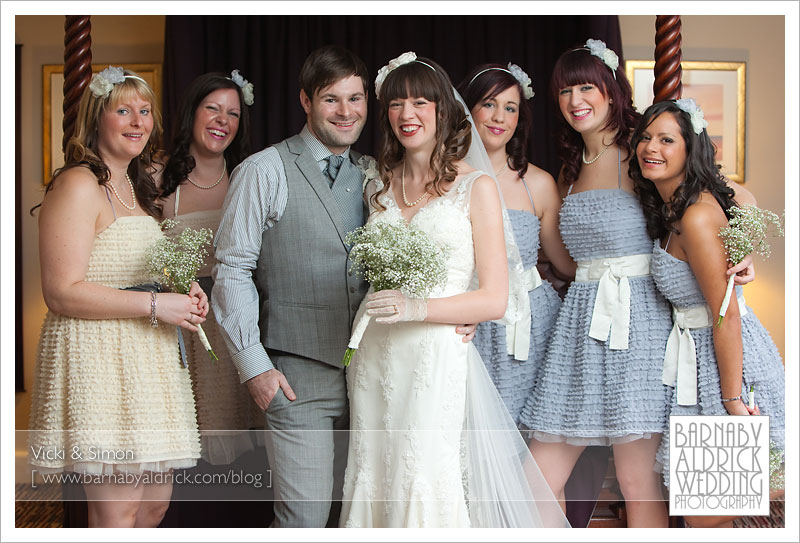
82, 148
453, 131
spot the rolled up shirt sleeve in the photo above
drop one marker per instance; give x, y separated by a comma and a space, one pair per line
255, 201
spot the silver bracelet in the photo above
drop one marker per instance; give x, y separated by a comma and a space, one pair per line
153, 319
726, 400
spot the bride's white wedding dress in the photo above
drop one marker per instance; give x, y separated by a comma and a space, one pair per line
431, 444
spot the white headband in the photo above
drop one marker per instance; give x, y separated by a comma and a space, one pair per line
517, 73
406, 58
102, 82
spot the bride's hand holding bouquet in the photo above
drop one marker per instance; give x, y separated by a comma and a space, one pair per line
403, 265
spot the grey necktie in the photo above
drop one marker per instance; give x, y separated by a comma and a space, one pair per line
346, 190
334, 164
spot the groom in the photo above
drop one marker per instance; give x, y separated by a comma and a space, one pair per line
282, 291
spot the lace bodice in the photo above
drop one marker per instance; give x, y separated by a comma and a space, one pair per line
446, 220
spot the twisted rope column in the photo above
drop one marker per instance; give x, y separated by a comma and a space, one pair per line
77, 68
667, 69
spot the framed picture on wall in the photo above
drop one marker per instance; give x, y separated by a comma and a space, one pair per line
719, 89
53, 111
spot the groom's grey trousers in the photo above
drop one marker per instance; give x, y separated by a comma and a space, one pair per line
303, 451
308, 300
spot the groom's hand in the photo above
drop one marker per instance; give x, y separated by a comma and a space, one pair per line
467, 330
264, 386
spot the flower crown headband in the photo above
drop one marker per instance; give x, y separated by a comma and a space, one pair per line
406, 58
245, 85
102, 82
689, 106
517, 73
598, 48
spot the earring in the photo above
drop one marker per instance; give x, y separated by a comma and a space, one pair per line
610, 100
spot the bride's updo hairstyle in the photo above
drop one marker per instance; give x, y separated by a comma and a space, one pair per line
82, 149
423, 78
578, 66
702, 174
484, 83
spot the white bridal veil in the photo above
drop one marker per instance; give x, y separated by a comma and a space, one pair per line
503, 485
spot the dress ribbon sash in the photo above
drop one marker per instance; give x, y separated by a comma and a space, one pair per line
612, 305
518, 334
680, 358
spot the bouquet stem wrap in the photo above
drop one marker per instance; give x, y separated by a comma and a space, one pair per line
359, 327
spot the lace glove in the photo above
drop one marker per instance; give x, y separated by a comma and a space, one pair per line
390, 306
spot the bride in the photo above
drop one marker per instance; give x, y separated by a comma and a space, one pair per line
431, 443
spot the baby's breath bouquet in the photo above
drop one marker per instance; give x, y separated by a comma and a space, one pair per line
777, 474
175, 261
394, 256
746, 233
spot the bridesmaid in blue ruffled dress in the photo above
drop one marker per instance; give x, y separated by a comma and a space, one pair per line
600, 383
674, 163
497, 96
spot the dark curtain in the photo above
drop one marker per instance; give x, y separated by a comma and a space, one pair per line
269, 51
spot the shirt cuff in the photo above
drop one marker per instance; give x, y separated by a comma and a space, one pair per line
251, 361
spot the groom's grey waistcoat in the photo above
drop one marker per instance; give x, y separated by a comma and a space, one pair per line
308, 298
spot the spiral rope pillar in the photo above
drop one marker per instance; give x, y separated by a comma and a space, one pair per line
77, 68
667, 69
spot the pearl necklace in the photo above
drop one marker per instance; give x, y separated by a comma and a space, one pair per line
221, 175
403, 186
505, 165
583, 155
133, 194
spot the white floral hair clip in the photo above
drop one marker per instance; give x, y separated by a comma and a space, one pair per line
245, 85
609, 57
517, 73
524, 81
102, 82
689, 106
406, 58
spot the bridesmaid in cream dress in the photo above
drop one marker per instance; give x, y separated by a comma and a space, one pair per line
211, 137
109, 390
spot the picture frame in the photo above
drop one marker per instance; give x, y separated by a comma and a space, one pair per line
53, 107
719, 90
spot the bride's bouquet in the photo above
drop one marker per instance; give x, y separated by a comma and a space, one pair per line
394, 256
746, 233
175, 261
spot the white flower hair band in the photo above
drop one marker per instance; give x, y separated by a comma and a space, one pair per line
609, 57
406, 58
689, 106
245, 85
102, 82
517, 73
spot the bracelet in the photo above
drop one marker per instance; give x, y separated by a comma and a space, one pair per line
737, 398
153, 319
